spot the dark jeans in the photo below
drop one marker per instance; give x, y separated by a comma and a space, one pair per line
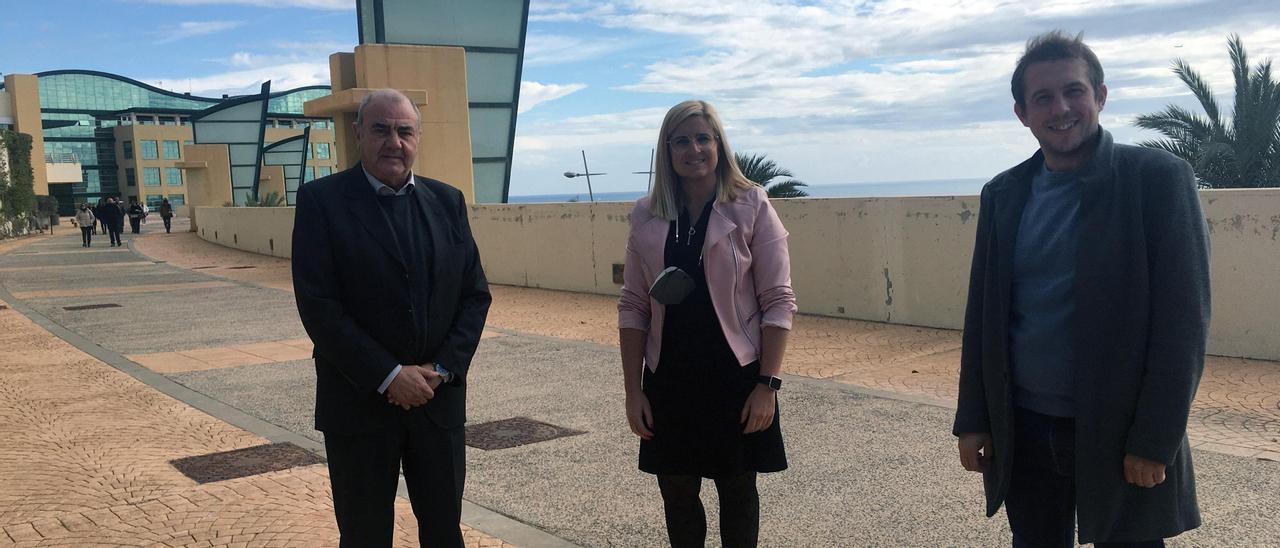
168, 224
114, 231
1041, 504
135, 224
86, 235
687, 520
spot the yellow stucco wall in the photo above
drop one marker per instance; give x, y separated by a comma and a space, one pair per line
444, 150
24, 95
899, 260
263, 230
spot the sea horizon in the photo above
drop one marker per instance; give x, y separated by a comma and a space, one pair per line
871, 189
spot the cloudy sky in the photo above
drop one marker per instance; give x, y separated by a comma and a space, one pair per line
839, 91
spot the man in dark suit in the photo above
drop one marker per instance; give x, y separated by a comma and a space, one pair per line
1084, 335
390, 289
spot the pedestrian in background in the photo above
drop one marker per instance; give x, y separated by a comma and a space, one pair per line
112, 220
166, 215
98, 213
702, 350
85, 219
135, 217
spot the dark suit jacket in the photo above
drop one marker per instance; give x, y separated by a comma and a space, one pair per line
352, 287
1139, 329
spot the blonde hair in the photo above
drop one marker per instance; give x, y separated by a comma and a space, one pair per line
665, 198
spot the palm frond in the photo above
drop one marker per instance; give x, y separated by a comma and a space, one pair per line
759, 169
1199, 88
786, 189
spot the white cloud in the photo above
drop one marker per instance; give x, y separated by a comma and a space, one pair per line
188, 29
238, 82
551, 49
533, 93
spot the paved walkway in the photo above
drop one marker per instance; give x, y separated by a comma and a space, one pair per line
89, 450
94, 443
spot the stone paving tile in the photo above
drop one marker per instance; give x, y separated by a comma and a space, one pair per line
56, 267
116, 290
85, 462
201, 359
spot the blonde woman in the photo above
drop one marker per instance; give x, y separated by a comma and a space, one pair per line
702, 347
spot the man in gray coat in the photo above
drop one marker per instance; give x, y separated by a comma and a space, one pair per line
1086, 322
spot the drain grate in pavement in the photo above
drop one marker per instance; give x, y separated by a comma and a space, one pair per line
91, 306
239, 267
241, 463
203, 267
3, 307
514, 432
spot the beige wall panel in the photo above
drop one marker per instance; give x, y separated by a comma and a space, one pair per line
63, 173
342, 75
272, 180
24, 90
207, 171
1244, 229
262, 230
6, 104
445, 149
610, 224
840, 249
504, 249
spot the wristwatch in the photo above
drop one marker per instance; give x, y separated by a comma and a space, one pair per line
772, 382
445, 374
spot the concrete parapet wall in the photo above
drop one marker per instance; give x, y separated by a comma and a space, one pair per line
899, 260
263, 230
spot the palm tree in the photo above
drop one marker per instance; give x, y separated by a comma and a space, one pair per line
1243, 151
763, 171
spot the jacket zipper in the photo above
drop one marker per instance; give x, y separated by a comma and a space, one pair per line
741, 323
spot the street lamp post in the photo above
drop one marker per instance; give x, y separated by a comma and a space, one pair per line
649, 185
586, 173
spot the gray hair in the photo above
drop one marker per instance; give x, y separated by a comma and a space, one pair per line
385, 94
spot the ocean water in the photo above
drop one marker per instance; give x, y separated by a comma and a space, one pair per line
937, 187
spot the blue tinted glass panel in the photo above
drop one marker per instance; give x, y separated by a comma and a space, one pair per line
490, 129
151, 176
150, 150
128, 150
153, 200
172, 151
488, 181
491, 77
177, 199
322, 151
173, 176
492, 23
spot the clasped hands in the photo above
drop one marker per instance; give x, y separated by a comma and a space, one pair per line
413, 386
975, 456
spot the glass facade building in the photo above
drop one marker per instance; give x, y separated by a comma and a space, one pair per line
80, 110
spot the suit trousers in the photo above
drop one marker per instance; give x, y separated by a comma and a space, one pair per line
364, 473
1041, 504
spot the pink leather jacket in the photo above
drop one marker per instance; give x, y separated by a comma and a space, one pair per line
748, 273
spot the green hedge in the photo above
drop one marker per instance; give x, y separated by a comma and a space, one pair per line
17, 191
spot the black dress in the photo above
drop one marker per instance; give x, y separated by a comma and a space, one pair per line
699, 388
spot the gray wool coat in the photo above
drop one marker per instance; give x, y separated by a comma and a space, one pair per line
1139, 330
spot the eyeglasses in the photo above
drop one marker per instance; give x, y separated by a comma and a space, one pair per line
683, 143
